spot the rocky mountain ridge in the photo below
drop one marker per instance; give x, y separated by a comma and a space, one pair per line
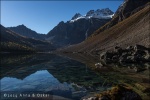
25, 31
99, 13
79, 27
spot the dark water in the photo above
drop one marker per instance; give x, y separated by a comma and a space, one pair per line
48, 74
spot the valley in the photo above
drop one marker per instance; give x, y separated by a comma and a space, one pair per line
102, 55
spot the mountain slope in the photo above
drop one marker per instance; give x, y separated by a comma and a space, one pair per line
13, 42
128, 8
23, 30
79, 27
132, 30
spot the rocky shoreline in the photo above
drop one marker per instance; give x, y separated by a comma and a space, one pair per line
131, 54
136, 55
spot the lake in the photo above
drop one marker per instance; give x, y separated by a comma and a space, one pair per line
53, 76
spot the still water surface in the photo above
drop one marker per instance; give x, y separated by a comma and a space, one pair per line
49, 73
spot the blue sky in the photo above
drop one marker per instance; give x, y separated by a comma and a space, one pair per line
42, 16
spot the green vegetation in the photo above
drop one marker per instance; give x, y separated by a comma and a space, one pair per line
15, 47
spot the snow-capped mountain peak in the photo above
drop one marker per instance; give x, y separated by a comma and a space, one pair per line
99, 13
76, 16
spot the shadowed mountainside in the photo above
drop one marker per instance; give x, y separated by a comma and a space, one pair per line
24, 31
13, 42
72, 33
79, 28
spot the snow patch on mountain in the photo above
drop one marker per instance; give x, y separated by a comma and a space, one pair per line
99, 13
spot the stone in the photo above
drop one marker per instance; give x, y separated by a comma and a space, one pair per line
139, 47
90, 98
130, 59
139, 69
118, 50
147, 56
147, 65
106, 57
99, 65
115, 58
130, 48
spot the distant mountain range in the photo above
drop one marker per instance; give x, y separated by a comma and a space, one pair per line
13, 42
71, 32
23, 30
99, 13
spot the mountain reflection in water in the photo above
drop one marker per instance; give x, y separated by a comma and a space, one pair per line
49, 73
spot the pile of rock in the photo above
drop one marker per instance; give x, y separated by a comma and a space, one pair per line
131, 54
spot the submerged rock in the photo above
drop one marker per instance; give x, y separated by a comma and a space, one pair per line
91, 98
119, 92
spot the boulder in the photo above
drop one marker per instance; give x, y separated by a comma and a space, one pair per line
90, 98
115, 58
118, 50
130, 59
127, 59
147, 65
130, 48
102, 55
99, 65
140, 52
107, 57
124, 57
147, 56
139, 47
139, 69
139, 58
